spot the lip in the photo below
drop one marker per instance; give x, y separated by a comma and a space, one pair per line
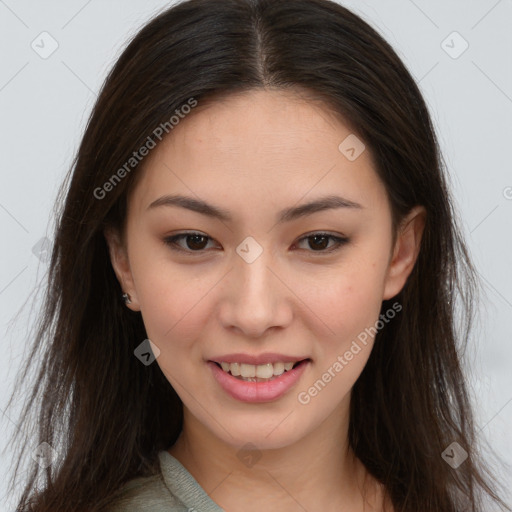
267, 357
257, 392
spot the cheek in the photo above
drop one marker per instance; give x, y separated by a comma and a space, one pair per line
171, 297
350, 306
348, 300
349, 303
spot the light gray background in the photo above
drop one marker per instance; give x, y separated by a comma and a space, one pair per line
44, 104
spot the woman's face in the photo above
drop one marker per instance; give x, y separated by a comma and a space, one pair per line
251, 287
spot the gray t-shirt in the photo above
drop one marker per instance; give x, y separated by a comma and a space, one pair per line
173, 490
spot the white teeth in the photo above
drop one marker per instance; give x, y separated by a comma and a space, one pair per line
278, 368
264, 371
247, 370
261, 371
234, 368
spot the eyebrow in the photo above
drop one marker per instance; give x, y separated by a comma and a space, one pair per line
288, 214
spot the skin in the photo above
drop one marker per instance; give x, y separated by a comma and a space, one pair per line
255, 154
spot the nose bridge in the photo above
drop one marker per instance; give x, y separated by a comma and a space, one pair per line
254, 279
255, 294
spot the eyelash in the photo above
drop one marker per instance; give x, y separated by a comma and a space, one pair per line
172, 242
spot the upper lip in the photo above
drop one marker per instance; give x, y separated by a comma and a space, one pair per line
267, 357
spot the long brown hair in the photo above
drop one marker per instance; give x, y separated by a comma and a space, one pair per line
106, 414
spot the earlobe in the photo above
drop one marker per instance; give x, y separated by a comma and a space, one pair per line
405, 252
121, 265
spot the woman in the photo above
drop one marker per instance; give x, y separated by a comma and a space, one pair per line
261, 184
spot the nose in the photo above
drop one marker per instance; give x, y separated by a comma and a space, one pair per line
256, 297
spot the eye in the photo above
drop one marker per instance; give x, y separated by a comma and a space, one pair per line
196, 242
319, 241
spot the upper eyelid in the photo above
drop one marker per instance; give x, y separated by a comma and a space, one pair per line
309, 233
306, 235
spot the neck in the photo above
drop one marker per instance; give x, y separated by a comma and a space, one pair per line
317, 472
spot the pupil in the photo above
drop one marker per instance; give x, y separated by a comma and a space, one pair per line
316, 237
194, 238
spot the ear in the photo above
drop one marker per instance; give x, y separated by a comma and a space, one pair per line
405, 252
121, 265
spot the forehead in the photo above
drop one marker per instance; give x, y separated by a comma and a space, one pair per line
258, 123
259, 144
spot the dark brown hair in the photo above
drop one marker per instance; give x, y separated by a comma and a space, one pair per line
108, 415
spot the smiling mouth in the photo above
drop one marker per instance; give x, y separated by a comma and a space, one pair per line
258, 373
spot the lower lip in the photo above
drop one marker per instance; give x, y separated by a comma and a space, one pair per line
258, 391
